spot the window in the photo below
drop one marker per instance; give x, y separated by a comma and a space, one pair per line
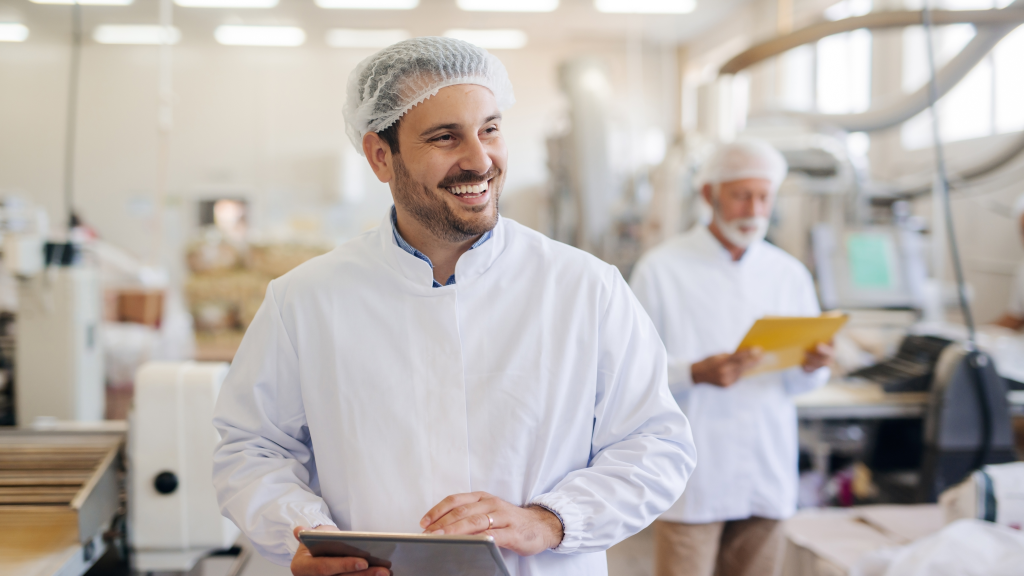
985, 102
832, 76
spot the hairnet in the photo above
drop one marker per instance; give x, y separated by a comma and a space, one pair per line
747, 158
1018, 207
386, 85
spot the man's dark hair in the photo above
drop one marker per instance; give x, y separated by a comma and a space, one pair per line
390, 135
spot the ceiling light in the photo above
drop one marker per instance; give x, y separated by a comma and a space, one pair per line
13, 32
508, 5
260, 35
136, 34
369, 4
491, 39
646, 6
87, 2
226, 3
352, 38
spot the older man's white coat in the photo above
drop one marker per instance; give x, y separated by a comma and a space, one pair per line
703, 303
361, 397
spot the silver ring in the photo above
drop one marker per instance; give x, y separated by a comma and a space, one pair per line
490, 521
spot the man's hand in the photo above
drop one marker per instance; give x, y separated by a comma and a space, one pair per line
819, 357
725, 369
305, 564
524, 530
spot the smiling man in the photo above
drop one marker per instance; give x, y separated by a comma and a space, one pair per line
449, 371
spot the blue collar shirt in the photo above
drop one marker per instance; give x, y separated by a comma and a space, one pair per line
408, 248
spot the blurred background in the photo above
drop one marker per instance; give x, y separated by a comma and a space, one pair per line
161, 161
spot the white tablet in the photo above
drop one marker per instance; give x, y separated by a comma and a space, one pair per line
412, 554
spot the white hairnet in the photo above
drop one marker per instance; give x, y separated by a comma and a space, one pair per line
1018, 207
386, 85
747, 158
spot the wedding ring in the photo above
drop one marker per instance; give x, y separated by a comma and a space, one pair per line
490, 521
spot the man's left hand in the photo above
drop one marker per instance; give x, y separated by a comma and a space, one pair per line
819, 357
525, 530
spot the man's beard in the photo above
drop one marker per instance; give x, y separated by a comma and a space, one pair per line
733, 229
435, 214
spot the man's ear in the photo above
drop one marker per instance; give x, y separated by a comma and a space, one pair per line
706, 191
378, 154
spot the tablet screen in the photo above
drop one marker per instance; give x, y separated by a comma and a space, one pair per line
412, 554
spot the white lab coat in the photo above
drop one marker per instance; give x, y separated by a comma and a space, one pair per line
361, 397
703, 303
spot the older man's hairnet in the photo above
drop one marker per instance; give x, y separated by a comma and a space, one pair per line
386, 85
747, 158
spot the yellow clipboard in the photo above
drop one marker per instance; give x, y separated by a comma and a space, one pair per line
785, 339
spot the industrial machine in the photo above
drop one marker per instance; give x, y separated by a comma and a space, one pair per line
59, 359
968, 421
174, 519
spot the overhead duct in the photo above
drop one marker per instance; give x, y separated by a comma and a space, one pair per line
993, 26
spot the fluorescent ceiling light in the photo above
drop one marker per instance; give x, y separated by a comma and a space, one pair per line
13, 32
226, 3
491, 39
352, 38
646, 6
135, 34
369, 4
260, 35
87, 2
508, 5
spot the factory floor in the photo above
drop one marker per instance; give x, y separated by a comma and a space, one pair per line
631, 557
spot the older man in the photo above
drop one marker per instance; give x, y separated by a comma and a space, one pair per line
1014, 316
704, 290
449, 371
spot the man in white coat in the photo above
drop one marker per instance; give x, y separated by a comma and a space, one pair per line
450, 371
704, 290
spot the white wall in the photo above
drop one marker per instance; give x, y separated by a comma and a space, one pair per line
262, 122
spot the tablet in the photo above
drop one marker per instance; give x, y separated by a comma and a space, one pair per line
412, 554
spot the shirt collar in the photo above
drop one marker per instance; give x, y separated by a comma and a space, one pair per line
409, 248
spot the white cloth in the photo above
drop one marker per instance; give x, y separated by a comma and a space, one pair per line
1016, 307
361, 396
702, 304
964, 548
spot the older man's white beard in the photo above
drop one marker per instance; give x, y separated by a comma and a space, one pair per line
757, 228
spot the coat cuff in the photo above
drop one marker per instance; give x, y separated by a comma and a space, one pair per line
680, 376
309, 519
569, 515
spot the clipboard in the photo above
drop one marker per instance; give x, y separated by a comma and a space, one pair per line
785, 339
412, 554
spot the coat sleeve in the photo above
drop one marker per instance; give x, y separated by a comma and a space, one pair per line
795, 380
645, 288
263, 467
642, 452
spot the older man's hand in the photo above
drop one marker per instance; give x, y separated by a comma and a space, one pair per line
305, 564
525, 530
819, 357
725, 369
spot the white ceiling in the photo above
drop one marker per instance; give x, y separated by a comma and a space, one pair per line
573, 20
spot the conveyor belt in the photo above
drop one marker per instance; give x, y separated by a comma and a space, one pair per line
58, 492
